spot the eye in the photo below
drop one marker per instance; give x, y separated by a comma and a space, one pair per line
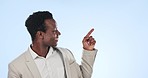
54, 31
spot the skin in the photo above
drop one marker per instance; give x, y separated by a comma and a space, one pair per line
47, 39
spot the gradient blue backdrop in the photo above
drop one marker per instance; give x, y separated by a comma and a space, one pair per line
121, 32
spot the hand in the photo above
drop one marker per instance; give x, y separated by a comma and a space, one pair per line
88, 41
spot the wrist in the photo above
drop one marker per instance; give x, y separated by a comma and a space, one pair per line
89, 49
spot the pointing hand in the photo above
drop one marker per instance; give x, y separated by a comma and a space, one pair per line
88, 41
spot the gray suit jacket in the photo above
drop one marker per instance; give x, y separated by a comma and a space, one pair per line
25, 67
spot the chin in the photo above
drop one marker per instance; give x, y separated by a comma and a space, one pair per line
54, 45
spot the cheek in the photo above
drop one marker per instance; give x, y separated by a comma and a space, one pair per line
49, 36
52, 39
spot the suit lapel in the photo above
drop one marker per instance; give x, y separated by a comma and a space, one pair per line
32, 66
66, 63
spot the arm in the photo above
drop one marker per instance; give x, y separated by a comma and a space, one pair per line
86, 66
89, 54
73, 69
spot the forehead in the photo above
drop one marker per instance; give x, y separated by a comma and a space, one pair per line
50, 23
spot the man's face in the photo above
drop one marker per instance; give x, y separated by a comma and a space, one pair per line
51, 35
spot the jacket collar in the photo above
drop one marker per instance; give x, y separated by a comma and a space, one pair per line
31, 65
65, 60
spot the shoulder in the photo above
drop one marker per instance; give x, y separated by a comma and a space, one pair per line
66, 53
19, 60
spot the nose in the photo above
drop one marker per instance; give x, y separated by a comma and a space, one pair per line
58, 32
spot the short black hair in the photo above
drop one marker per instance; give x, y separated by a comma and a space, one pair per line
35, 22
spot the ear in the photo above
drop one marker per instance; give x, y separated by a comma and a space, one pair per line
40, 34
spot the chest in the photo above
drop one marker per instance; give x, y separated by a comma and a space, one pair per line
52, 66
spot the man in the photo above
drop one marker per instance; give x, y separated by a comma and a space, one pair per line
44, 60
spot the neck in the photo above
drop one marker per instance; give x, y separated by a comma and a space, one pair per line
40, 50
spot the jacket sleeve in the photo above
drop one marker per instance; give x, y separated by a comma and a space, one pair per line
86, 67
12, 72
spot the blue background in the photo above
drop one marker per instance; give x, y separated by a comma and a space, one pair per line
121, 32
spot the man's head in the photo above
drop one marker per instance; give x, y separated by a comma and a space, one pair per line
42, 27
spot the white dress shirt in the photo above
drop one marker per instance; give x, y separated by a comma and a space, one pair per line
51, 66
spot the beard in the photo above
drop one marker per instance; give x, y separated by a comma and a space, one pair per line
53, 42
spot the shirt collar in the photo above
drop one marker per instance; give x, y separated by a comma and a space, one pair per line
35, 55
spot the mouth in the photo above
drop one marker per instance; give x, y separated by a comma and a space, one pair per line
56, 39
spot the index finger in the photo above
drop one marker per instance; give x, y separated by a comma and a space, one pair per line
88, 34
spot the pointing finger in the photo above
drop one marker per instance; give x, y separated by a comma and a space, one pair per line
88, 34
